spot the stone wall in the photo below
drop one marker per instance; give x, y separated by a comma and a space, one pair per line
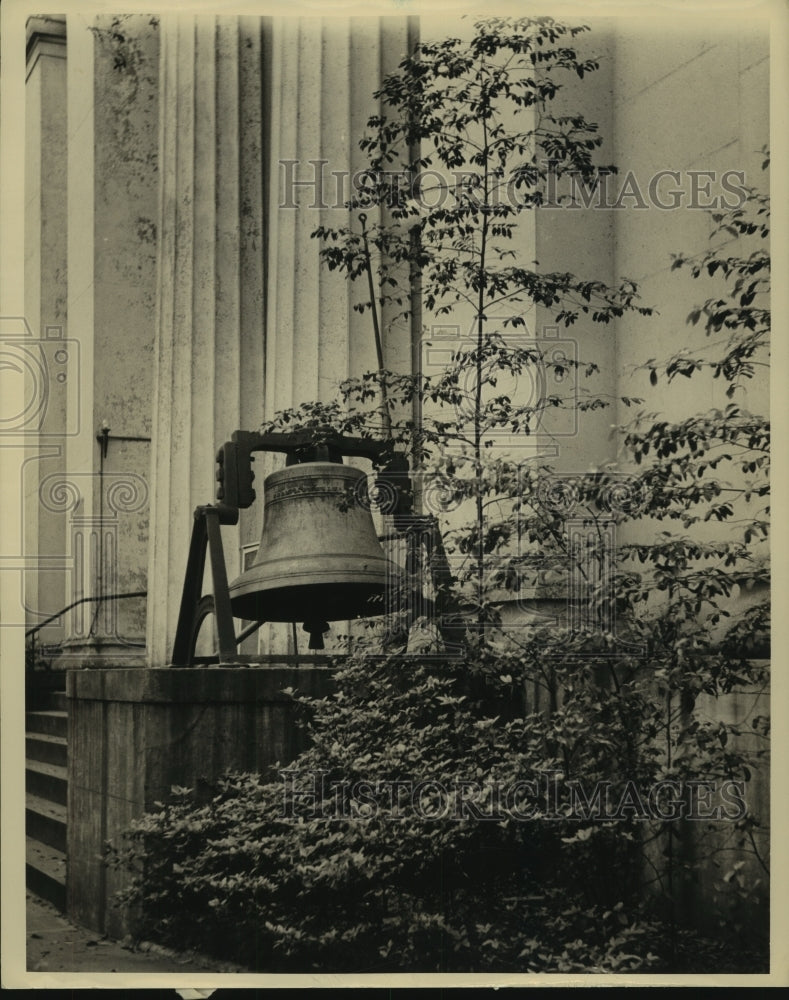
133, 734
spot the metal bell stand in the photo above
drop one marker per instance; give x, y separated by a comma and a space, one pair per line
235, 492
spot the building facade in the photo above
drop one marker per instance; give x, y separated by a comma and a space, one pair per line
176, 170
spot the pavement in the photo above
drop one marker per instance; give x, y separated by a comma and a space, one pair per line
57, 944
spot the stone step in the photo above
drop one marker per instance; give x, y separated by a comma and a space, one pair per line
51, 722
45, 821
44, 701
58, 701
49, 749
42, 686
45, 870
47, 781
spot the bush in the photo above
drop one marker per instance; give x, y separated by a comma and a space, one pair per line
445, 876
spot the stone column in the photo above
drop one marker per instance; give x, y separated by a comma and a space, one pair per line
45, 315
111, 138
323, 76
238, 96
208, 363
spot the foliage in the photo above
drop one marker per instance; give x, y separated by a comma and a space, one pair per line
568, 763
396, 889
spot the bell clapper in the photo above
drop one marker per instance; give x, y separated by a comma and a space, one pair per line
316, 631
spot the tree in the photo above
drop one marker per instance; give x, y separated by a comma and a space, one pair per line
506, 808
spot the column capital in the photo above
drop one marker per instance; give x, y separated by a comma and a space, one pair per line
45, 35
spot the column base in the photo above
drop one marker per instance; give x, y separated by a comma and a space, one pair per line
100, 653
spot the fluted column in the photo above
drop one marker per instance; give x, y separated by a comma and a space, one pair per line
323, 76
209, 348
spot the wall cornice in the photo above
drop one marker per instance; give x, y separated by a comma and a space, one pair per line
45, 35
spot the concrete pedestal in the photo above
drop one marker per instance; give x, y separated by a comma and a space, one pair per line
133, 734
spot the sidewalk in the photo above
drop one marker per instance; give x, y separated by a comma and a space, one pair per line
55, 944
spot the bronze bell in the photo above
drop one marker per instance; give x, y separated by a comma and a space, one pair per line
319, 558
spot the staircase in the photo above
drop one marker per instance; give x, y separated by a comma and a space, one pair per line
46, 787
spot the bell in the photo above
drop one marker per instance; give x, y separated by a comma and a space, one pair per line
319, 558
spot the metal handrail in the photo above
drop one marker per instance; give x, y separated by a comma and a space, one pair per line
83, 600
